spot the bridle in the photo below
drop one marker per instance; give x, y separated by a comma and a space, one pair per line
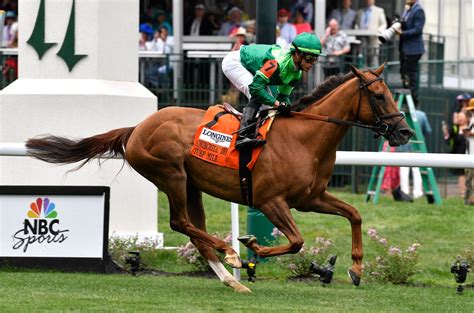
380, 127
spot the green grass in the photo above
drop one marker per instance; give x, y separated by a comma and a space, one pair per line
443, 232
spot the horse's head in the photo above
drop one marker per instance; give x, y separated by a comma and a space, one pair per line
378, 108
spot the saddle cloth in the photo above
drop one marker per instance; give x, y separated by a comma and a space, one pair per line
214, 142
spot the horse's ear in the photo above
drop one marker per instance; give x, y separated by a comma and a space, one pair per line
356, 71
380, 69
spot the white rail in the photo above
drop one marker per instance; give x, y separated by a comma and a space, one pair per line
347, 158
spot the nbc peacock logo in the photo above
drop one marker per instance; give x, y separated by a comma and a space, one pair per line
41, 227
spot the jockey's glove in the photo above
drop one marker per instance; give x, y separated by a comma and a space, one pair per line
284, 108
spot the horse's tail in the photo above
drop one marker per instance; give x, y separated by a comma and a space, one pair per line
53, 149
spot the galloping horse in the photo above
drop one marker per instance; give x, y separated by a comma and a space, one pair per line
293, 170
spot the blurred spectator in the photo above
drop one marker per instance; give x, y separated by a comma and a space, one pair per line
454, 137
199, 25
469, 134
213, 15
239, 38
8, 36
235, 21
335, 43
300, 23
145, 36
462, 101
405, 171
391, 180
280, 40
371, 18
158, 73
345, 16
162, 42
162, 22
411, 46
9, 5
287, 30
306, 7
250, 28
10, 68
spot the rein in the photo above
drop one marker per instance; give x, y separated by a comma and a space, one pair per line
380, 128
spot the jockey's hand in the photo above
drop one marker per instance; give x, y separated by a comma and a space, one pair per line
284, 108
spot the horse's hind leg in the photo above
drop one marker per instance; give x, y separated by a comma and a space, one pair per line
197, 216
328, 204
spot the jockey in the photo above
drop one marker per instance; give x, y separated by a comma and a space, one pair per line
253, 69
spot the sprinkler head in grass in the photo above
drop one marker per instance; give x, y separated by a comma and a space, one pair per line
325, 272
134, 261
251, 266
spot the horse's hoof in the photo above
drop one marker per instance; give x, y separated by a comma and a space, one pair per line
238, 287
354, 277
233, 260
247, 240
242, 289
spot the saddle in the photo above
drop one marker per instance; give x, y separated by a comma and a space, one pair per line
215, 137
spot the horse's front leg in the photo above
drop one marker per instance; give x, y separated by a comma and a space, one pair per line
278, 212
328, 204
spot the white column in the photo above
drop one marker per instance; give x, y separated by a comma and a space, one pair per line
57, 95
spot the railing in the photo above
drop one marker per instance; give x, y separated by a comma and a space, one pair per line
204, 84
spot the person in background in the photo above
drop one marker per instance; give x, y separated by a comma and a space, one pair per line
199, 25
287, 30
162, 22
300, 23
250, 29
344, 16
306, 7
239, 36
235, 21
371, 18
335, 43
454, 137
405, 171
10, 20
162, 42
469, 134
462, 101
145, 36
411, 46
255, 68
280, 40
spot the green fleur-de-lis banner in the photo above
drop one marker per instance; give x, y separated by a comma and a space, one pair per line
67, 51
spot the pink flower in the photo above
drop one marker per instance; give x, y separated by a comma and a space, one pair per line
413, 247
276, 233
372, 233
394, 251
292, 267
383, 241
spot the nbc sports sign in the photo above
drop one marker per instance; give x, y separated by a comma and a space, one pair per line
46, 223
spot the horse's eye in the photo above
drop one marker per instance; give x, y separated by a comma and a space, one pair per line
379, 96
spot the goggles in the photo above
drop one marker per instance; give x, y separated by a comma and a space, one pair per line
310, 58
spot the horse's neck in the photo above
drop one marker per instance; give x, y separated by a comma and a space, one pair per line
340, 104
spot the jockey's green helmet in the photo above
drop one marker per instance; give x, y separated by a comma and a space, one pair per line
307, 43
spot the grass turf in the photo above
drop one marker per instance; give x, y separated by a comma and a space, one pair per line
443, 232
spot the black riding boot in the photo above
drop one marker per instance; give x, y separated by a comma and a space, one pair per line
246, 137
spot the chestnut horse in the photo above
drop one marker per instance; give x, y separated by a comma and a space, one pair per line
293, 170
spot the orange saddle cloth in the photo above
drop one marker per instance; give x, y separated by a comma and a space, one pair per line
214, 142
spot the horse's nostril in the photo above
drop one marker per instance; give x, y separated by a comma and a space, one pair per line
406, 132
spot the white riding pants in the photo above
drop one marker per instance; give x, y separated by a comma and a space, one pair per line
405, 181
238, 75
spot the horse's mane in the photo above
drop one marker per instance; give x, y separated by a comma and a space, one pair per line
322, 90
